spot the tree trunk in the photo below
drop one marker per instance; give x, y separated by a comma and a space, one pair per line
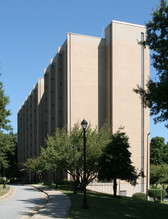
115, 187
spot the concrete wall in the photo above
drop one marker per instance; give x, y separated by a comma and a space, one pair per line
123, 189
30, 124
127, 67
86, 79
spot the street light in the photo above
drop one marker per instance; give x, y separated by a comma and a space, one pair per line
74, 170
84, 125
147, 161
4, 178
4, 182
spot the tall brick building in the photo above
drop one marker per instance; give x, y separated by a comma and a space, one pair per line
91, 78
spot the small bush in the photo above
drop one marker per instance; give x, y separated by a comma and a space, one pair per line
156, 194
139, 195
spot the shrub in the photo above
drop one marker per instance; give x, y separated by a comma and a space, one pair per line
139, 195
156, 194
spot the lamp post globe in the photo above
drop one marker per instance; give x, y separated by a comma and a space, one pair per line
4, 182
84, 125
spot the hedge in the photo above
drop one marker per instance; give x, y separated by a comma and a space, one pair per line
156, 194
139, 195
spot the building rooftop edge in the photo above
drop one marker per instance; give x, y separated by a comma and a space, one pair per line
85, 35
126, 23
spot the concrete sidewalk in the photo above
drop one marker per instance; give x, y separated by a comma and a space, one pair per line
57, 206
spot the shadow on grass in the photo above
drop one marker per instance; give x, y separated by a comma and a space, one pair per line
107, 207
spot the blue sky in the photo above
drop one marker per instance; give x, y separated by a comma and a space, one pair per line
32, 30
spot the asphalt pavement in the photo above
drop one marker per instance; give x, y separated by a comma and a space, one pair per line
20, 201
33, 201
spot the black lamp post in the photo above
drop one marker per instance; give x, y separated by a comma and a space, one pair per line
84, 125
147, 161
4, 178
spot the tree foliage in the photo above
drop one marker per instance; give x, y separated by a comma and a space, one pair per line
158, 175
157, 194
115, 162
159, 162
158, 151
155, 96
155, 171
164, 175
7, 142
12, 170
37, 166
59, 152
4, 113
7, 147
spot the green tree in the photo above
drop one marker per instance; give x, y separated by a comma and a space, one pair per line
56, 153
59, 152
6, 140
4, 113
7, 147
12, 170
36, 166
155, 174
115, 162
158, 151
158, 175
155, 96
164, 175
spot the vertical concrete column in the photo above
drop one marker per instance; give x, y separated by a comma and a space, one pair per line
19, 137
142, 113
109, 64
26, 130
21, 133
31, 124
69, 47
29, 156
49, 101
40, 117
24, 136
56, 90
32, 110
35, 119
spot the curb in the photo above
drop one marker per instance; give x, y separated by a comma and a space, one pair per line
36, 187
8, 194
56, 207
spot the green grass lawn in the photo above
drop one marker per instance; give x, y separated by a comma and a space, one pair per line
4, 190
102, 206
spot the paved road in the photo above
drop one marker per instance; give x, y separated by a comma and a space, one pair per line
24, 199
